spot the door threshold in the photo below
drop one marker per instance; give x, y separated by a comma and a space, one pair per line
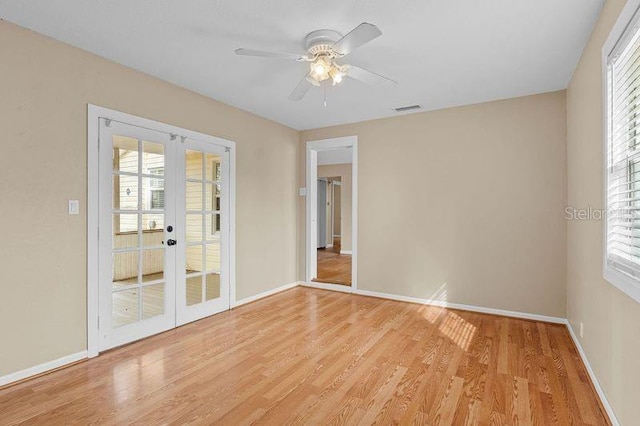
344, 283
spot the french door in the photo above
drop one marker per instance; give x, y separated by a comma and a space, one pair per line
163, 231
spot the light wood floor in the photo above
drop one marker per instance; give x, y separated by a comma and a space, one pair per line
311, 356
333, 267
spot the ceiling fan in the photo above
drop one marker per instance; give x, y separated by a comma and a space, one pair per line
324, 49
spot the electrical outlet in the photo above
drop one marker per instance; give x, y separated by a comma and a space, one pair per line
581, 329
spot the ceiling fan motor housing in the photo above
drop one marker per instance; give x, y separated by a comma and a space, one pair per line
320, 41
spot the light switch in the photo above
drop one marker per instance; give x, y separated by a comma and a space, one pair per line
302, 192
74, 207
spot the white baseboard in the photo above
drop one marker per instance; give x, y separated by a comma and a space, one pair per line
345, 252
594, 379
329, 246
327, 286
42, 368
472, 308
264, 294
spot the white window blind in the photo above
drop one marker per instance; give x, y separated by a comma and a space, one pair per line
623, 154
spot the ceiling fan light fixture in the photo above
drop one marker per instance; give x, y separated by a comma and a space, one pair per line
337, 74
320, 69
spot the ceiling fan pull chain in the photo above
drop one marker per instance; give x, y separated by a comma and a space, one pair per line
324, 94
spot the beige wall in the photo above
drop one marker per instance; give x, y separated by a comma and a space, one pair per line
344, 172
473, 203
610, 319
45, 86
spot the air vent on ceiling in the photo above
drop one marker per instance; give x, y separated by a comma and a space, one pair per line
408, 108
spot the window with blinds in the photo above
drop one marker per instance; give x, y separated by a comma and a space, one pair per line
623, 155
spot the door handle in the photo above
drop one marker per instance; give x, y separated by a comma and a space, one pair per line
171, 242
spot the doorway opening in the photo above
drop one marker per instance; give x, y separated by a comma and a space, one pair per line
332, 213
333, 258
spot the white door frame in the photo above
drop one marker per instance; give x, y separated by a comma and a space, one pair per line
94, 114
313, 147
335, 183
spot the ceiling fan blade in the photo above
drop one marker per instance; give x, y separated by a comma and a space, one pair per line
278, 55
301, 89
369, 77
360, 35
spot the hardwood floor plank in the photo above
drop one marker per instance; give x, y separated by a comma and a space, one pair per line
308, 356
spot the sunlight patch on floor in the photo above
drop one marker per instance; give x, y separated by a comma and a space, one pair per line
459, 330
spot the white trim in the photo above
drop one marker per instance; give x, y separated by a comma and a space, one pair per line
625, 283
311, 252
329, 246
346, 252
42, 368
93, 191
594, 379
312, 148
264, 294
232, 227
328, 286
470, 308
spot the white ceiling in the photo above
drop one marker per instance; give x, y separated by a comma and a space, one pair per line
335, 156
442, 52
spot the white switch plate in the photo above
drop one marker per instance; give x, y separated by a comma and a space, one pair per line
74, 207
302, 192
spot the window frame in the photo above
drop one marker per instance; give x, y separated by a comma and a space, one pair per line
627, 24
215, 199
152, 189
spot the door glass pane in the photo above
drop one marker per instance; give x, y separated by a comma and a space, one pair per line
125, 192
124, 307
194, 196
125, 230
193, 164
154, 224
152, 265
213, 196
152, 301
212, 227
194, 228
212, 290
152, 158
194, 290
125, 154
213, 257
152, 193
194, 259
213, 167
125, 268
